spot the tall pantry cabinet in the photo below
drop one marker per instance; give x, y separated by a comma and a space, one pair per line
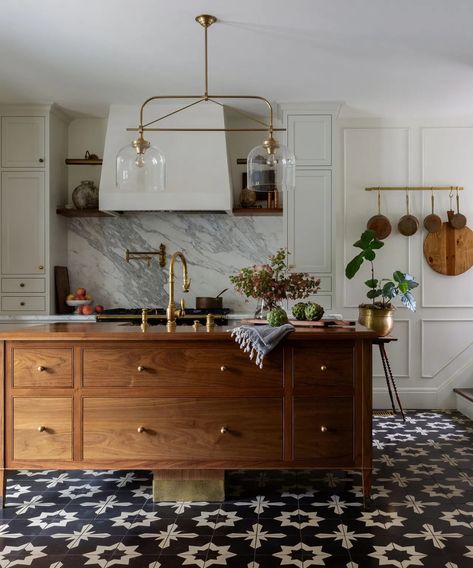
33, 144
309, 209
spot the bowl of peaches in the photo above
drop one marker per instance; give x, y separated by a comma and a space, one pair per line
82, 302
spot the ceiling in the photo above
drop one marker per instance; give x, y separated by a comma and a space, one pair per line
381, 57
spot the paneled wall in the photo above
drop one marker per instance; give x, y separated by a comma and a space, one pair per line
434, 353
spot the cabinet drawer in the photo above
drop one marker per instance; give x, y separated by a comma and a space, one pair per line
42, 428
23, 285
158, 367
41, 367
324, 365
23, 304
182, 428
323, 428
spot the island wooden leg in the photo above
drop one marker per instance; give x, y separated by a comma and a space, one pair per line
3, 487
188, 485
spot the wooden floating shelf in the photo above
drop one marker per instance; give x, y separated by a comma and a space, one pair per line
253, 211
82, 162
83, 213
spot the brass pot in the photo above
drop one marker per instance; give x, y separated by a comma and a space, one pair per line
379, 320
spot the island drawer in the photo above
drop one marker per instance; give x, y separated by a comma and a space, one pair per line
178, 367
42, 367
182, 428
324, 365
42, 428
324, 429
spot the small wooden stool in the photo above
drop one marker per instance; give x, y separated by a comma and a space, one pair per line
380, 342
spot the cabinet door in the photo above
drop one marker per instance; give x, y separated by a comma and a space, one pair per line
23, 144
310, 138
309, 222
22, 216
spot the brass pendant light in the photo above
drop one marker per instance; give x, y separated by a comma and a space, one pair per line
270, 166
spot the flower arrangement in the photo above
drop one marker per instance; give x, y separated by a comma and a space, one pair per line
273, 282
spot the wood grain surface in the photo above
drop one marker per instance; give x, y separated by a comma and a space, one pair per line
450, 251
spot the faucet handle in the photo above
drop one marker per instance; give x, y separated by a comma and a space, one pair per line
186, 285
182, 309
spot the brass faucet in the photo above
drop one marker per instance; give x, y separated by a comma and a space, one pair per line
173, 311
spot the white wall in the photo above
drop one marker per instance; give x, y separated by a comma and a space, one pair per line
434, 353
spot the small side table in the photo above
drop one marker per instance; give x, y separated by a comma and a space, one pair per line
381, 342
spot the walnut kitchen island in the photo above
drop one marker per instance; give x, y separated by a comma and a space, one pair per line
186, 405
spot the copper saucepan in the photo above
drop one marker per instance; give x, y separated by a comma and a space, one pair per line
432, 223
458, 220
408, 224
379, 223
209, 302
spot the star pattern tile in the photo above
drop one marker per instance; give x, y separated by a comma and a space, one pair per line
420, 514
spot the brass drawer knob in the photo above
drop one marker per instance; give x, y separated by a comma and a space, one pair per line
323, 367
141, 369
323, 428
41, 428
41, 369
22, 284
223, 430
22, 303
223, 368
140, 429
40, 267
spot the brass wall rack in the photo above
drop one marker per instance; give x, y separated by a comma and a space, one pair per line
418, 188
148, 255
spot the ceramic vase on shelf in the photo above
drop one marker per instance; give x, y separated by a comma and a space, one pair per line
86, 195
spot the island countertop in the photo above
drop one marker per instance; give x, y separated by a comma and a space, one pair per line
125, 332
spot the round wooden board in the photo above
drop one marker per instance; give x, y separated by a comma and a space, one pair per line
450, 251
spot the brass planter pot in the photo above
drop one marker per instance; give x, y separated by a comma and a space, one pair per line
381, 321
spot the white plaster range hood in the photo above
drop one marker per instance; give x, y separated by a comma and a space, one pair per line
197, 166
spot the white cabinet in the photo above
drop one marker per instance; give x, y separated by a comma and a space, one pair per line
32, 185
22, 223
309, 225
310, 138
23, 142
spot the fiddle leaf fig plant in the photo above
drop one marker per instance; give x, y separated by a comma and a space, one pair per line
401, 284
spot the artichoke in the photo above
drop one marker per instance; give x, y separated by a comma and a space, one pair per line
277, 317
298, 311
313, 312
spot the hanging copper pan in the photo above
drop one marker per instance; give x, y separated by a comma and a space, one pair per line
379, 223
458, 220
432, 223
408, 224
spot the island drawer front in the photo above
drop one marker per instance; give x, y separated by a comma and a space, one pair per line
178, 367
42, 367
323, 428
42, 428
182, 428
324, 364
23, 285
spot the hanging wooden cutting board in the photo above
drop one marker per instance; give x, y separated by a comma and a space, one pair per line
449, 251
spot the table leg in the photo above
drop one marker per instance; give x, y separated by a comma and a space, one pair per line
381, 346
382, 352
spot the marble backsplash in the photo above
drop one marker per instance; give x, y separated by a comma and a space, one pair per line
215, 245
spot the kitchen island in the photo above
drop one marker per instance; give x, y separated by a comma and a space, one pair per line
186, 404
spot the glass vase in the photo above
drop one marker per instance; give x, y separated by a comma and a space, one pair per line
264, 306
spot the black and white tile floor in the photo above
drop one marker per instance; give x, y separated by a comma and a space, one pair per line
421, 512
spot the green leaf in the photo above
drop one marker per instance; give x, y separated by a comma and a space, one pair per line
376, 244
403, 287
372, 294
369, 254
399, 276
353, 266
372, 283
389, 290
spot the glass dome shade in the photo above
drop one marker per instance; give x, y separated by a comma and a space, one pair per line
271, 169
140, 172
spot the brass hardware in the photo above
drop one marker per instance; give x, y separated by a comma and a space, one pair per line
40, 267
41, 160
141, 369
323, 428
144, 323
223, 430
140, 429
22, 303
22, 284
172, 311
210, 322
417, 188
147, 256
196, 325
205, 20
323, 367
223, 368
41, 428
41, 369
